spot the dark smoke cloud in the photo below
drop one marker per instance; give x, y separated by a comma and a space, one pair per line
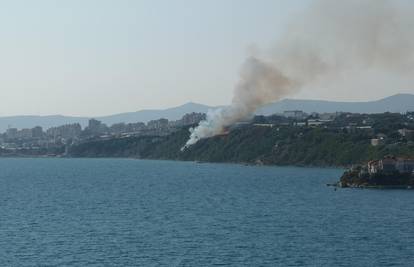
328, 39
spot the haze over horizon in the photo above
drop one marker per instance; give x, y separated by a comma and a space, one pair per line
191, 103
96, 58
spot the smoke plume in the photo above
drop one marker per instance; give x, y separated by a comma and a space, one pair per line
329, 40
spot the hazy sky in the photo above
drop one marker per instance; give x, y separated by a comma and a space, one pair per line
96, 57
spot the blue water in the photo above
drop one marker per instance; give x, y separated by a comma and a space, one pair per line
112, 212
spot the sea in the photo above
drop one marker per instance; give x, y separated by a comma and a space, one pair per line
128, 212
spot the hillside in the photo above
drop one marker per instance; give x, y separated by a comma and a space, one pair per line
284, 145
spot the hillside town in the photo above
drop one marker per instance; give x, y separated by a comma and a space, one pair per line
382, 129
379, 129
14, 140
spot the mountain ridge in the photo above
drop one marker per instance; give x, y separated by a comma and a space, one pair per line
395, 103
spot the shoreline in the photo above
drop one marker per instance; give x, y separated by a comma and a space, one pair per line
378, 187
177, 160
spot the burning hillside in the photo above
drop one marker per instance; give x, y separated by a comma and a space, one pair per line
328, 41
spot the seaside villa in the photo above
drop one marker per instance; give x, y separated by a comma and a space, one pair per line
391, 164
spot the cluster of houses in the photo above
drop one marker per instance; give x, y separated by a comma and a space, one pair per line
391, 164
36, 138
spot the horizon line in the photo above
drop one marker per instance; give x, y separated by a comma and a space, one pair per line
196, 103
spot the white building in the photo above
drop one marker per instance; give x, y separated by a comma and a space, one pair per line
294, 114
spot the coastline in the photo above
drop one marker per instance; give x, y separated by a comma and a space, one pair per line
179, 160
378, 187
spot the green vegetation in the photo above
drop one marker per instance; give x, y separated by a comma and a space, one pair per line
330, 145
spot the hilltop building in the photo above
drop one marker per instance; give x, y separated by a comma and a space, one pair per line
406, 133
96, 127
24, 134
37, 132
192, 118
11, 133
294, 114
65, 131
158, 124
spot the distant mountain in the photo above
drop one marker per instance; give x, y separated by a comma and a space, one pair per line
174, 113
395, 103
46, 122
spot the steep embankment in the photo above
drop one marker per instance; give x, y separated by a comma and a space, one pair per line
279, 146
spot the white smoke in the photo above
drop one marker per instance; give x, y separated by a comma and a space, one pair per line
259, 83
331, 38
